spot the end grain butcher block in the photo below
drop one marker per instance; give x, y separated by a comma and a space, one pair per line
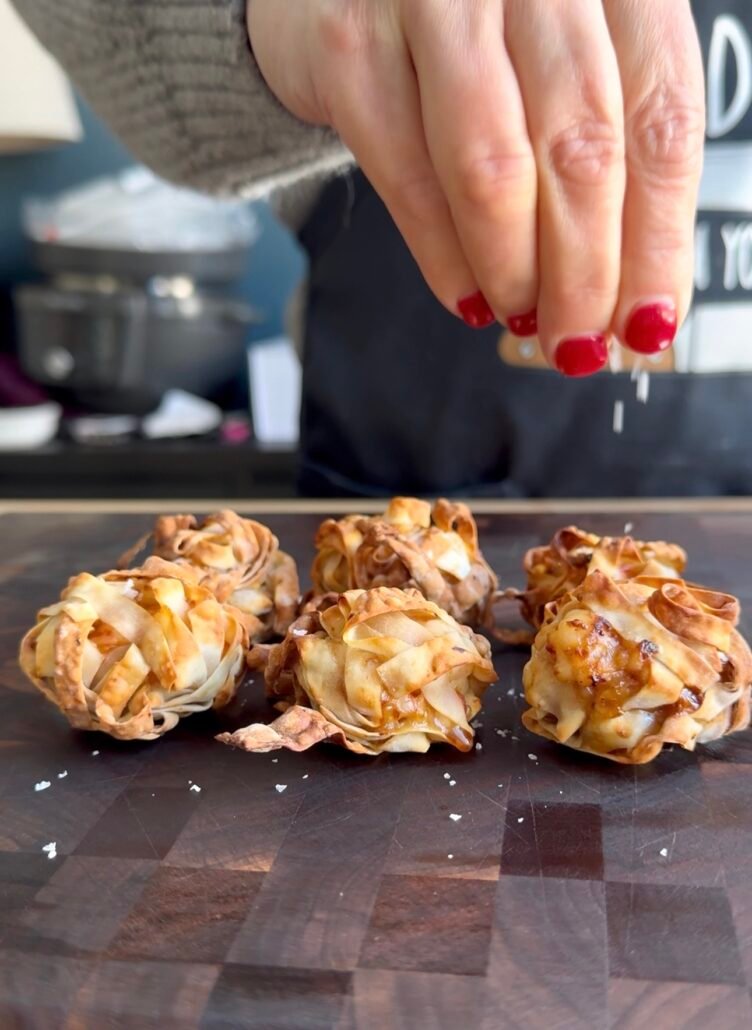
180, 883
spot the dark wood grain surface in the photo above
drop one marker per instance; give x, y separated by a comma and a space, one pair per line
571, 893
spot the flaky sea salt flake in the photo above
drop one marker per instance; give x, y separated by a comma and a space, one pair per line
42, 785
280, 787
618, 423
454, 817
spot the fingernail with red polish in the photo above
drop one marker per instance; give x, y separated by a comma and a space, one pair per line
524, 325
582, 355
475, 311
652, 327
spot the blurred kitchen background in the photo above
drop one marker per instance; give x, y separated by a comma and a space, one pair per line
142, 341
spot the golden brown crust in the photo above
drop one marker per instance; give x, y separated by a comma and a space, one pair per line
621, 669
238, 559
412, 545
132, 651
384, 669
563, 565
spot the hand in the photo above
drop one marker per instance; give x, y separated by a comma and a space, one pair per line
540, 157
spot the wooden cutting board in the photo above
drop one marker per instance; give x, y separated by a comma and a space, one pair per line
571, 893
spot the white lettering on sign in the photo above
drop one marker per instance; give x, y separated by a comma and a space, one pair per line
737, 271
730, 40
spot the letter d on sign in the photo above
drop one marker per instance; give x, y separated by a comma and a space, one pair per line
729, 39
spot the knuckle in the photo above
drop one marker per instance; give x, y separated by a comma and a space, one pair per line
340, 28
594, 289
418, 196
587, 153
667, 132
481, 182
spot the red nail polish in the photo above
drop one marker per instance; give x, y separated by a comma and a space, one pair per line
581, 355
651, 328
475, 311
524, 325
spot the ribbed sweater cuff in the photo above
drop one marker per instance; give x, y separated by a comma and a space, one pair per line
177, 82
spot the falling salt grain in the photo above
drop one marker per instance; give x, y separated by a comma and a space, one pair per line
521, 819
454, 817
479, 746
195, 787
304, 776
615, 363
42, 785
510, 692
450, 856
533, 758
618, 425
663, 852
94, 754
628, 527
452, 783
643, 387
62, 775
275, 759
50, 849
280, 787
447, 776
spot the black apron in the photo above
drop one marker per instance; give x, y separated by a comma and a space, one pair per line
400, 397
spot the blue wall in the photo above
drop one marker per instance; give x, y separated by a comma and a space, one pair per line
275, 266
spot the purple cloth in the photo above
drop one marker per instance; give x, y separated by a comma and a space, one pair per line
16, 389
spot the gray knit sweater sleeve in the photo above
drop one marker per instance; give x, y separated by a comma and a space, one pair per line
177, 82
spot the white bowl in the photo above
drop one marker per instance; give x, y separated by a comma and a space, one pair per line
22, 429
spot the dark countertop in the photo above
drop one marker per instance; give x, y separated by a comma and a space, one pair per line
334, 903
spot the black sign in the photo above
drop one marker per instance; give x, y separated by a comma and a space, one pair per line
726, 32
723, 266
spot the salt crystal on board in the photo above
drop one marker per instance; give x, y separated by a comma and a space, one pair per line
42, 785
62, 775
664, 852
50, 849
195, 787
479, 746
280, 787
94, 754
452, 783
447, 776
521, 819
454, 817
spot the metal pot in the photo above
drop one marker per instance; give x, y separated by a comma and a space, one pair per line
115, 347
